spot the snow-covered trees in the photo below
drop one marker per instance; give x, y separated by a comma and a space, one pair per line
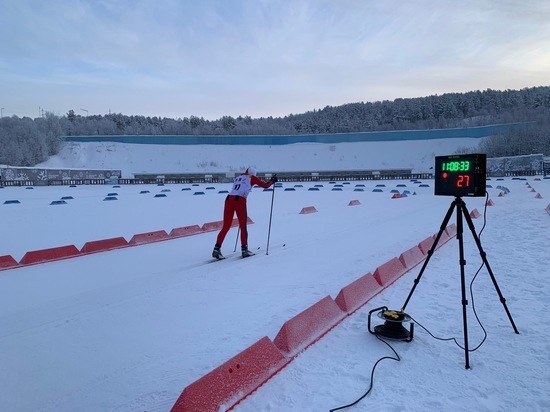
25, 142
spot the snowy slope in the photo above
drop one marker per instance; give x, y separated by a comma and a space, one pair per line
417, 155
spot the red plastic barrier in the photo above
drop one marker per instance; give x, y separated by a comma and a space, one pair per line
474, 214
538, 196
212, 226
548, 208
426, 245
490, 203
443, 239
7, 261
396, 196
185, 231
105, 244
389, 272
308, 326
228, 384
308, 209
149, 237
54, 253
451, 230
357, 293
354, 203
412, 257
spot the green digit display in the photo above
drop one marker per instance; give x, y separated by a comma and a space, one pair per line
456, 166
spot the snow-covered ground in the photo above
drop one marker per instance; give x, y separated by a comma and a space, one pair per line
129, 329
135, 158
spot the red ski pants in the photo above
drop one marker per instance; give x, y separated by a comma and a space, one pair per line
234, 204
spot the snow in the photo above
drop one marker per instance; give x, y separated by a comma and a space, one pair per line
129, 329
135, 158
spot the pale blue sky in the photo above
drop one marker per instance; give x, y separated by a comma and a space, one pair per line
211, 58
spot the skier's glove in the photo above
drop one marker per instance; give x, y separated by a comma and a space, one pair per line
274, 178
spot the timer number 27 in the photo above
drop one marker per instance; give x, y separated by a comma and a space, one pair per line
463, 181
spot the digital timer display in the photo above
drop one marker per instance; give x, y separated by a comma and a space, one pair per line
456, 166
460, 175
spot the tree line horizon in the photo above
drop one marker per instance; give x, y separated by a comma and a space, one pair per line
27, 142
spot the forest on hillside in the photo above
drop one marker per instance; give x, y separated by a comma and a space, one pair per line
26, 142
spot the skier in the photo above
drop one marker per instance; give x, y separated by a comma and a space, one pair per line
235, 202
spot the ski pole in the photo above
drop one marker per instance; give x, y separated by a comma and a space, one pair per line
270, 216
237, 239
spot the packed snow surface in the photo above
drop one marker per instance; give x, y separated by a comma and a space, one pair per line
129, 329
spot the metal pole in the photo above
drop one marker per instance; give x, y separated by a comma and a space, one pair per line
237, 239
270, 216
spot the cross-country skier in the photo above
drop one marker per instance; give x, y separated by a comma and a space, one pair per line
235, 202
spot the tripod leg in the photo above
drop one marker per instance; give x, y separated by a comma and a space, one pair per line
484, 257
430, 252
460, 238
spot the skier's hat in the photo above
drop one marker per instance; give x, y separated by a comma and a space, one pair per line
250, 171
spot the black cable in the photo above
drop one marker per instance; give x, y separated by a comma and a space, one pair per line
477, 273
484, 214
396, 358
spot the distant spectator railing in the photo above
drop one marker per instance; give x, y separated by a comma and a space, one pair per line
302, 176
296, 176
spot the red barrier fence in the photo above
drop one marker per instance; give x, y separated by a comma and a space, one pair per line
474, 214
308, 326
308, 209
45, 255
231, 382
55, 253
451, 230
356, 294
412, 257
389, 272
426, 244
7, 261
149, 237
105, 244
213, 226
185, 231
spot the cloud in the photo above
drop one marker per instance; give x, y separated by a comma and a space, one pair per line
265, 57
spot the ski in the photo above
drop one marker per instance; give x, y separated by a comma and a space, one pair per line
237, 255
232, 256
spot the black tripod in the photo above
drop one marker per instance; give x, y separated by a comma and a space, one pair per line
459, 204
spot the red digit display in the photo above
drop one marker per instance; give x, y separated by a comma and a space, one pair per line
463, 181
